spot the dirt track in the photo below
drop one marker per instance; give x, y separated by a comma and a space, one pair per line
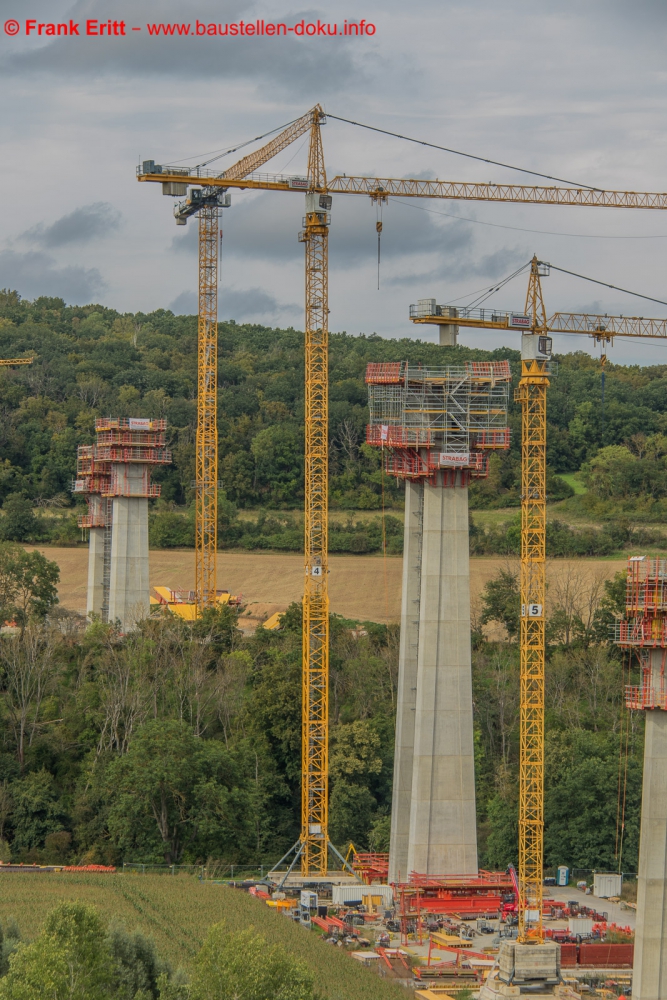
363, 587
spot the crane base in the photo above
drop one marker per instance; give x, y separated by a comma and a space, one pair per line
522, 968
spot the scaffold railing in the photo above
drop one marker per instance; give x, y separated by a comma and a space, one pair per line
646, 587
649, 631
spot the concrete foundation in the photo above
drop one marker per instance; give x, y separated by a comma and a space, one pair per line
434, 762
128, 585
650, 962
407, 683
95, 572
529, 963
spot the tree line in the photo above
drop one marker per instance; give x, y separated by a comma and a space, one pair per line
92, 361
180, 743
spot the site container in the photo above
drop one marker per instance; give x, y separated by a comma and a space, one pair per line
607, 884
580, 925
349, 894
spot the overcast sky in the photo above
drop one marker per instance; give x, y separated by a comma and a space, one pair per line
576, 90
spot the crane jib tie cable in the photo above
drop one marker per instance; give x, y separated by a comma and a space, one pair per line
468, 156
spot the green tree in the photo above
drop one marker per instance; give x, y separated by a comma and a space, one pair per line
355, 759
138, 966
37, 810
500, 602
174, 794
69, 960
19, 524
27, 584
243, 965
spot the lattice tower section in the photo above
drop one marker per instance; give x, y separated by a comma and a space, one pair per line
206, 475
532, 394
315, 673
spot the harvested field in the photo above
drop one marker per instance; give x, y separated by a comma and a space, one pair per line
363, 587
177, 911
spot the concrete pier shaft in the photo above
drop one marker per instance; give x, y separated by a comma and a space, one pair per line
407, 682
128, 585
650, 963
95, 597
443, 832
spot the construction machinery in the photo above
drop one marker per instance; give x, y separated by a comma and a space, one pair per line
209, 191
531, 393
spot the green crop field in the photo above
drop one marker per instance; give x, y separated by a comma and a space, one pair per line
177, 911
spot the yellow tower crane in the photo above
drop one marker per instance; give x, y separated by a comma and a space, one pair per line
204, 182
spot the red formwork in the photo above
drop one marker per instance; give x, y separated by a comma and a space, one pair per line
129, 438
568, 954
606, 956
490, 369
371, 867
119, 454
385, 373
393, 436
465, 895
493, 439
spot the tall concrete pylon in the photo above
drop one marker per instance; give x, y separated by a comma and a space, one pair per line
114, 476
433, 811
649, 980
645, 630
435, 440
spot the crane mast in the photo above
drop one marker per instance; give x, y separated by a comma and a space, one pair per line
315, 672
532, 395
206, 475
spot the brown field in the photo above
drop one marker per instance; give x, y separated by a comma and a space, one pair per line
176, 912
361, 587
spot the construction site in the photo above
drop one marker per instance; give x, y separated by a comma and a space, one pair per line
422, 913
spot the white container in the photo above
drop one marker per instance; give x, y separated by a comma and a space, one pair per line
606, 884
345, 894
426, 307
580, 925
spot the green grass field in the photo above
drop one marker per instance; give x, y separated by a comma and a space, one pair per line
176, 912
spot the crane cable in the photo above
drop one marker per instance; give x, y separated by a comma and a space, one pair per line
469, 156
606, 284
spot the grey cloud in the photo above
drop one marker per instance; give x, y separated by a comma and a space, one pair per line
253, 302
34, 273
266, 228
456, 266
80, 226
185, 304
286, 61
239, 304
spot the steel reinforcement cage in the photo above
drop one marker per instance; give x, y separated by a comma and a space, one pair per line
418, 413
